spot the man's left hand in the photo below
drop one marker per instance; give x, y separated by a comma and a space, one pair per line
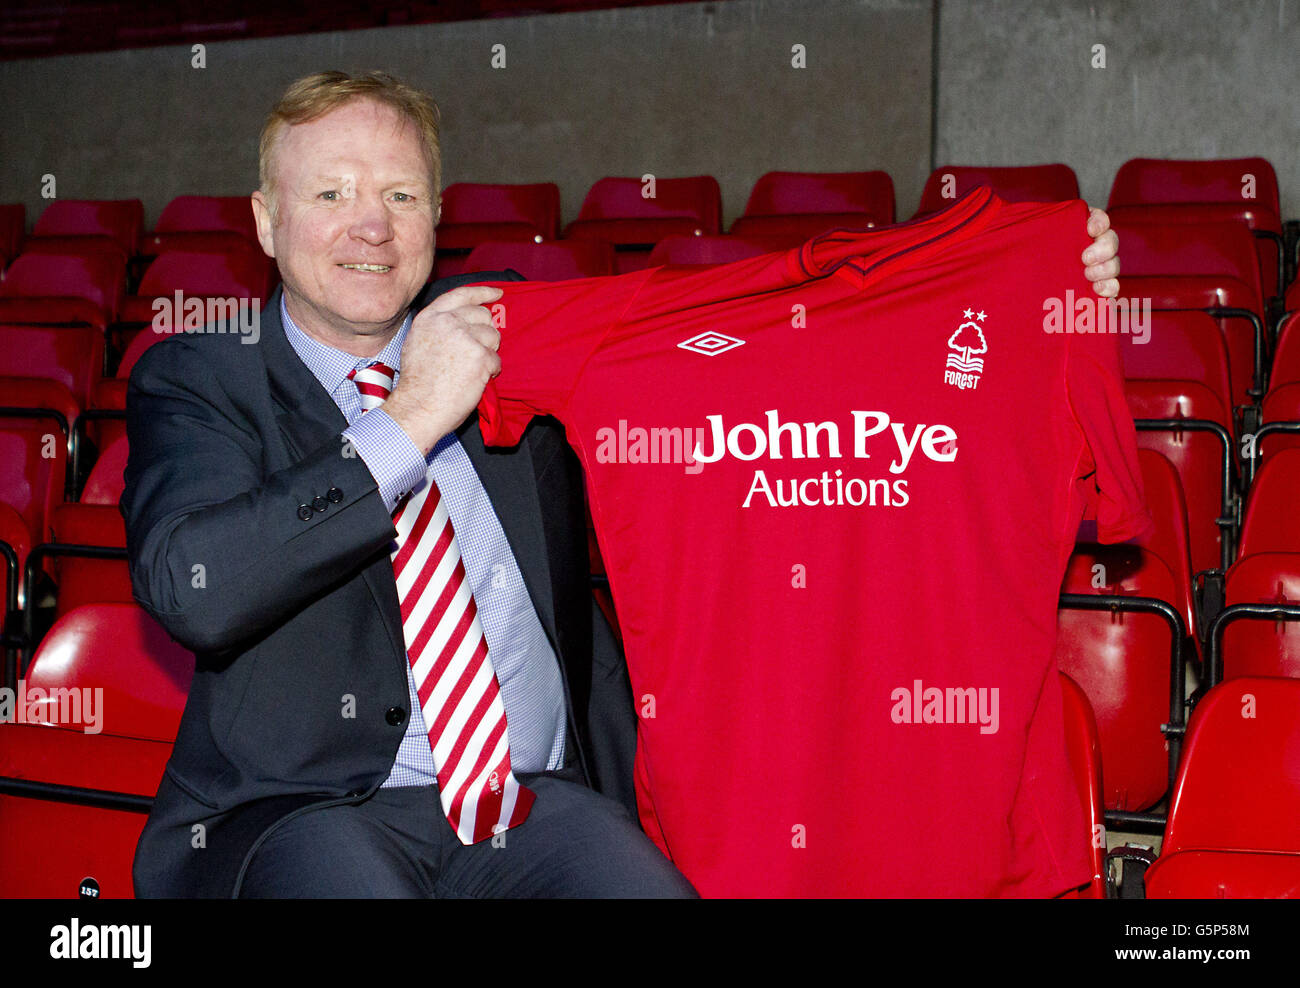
1101, 259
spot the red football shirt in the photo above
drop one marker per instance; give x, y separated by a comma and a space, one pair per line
840, 618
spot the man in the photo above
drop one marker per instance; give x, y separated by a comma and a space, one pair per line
363, 721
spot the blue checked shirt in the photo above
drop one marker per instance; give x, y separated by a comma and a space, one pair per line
525, 663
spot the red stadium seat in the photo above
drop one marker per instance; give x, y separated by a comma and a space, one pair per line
554, 261
1216, 261
1122, 661
35, 392
1272, 521
72, 356
1241, 188
791, 207
1232, 828
1182, 347
240, 274
722, 249
33, 465
474, 213
1202, 458
142, 678
14, 534
78, 224
81, 577
105, 483
619, 211
13, 223
1281, 405
1024, 183
1263, 647
1286, 359
1084, 744
63, 289
218, 224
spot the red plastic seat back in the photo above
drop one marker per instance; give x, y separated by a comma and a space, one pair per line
698, 199
72, 356
1286, 359
1256, 646
145, 676
1021, 183
785, 193
552, 261
722, 249
1170, 541
94, 278
1238, 787
38, 392
1281, 404
619, 211
1084, 746
84, 579
116, 683
1121, 661
239, 274
120, 220
209, 214
1272, 521
1154, 180
13, 532
33, 462
1197, 456
535, 207
1177, 346
105, 483
1191, 249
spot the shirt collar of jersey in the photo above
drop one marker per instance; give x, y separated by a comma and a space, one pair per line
331, 365
866, 256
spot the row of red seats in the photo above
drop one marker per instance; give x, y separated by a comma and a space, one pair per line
82, 796
221, 224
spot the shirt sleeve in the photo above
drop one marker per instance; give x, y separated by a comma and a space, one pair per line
1109, 474
549, 330
389, 454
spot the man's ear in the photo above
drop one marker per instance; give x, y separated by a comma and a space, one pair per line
263, 214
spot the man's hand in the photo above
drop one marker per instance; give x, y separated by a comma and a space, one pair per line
448, 358
1101, 259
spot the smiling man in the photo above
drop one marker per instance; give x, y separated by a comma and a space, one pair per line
402, 685
364, 721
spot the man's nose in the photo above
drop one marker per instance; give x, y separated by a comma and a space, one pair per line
371, 220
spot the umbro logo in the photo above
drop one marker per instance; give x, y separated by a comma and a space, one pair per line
710, 343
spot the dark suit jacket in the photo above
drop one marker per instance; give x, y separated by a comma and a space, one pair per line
300, 693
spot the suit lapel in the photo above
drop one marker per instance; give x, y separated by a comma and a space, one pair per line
308, 418
511, 486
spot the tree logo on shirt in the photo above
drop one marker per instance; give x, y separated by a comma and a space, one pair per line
963, 367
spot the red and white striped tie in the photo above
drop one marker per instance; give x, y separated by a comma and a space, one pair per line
458, 689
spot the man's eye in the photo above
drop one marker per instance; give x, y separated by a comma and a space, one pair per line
402, 196
330, 196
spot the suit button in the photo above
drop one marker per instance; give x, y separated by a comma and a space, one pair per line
319, 503
355, 793
334, 494
395, 716
304, 512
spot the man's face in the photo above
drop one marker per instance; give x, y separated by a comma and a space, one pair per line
352, 227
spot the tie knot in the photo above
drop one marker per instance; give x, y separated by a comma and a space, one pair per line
374, 383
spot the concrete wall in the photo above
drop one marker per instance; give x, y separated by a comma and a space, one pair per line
1183, 79
702, 88
672, 90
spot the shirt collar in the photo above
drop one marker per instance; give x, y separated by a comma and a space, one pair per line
331, 365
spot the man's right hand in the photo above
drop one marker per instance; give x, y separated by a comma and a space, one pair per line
448, 358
